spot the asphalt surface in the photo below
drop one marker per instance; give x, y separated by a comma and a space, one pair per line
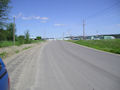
60, 65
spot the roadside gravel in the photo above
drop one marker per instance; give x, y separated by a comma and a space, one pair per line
21, 67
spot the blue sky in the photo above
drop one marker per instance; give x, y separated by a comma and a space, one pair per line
50, 18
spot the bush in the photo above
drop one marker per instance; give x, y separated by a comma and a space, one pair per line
21, 39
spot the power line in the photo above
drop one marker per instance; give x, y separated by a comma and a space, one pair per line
103, 11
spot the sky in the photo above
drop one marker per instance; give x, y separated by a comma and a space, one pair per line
52, 18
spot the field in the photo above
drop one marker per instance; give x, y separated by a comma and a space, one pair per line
105, 45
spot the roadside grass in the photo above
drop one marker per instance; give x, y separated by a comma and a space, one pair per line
17, 43
3, 54
6, 43
26, 48
17, 51
105, 45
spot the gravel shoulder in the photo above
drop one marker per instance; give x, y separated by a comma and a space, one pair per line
21, 67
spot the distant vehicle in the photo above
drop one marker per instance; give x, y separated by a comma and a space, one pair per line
4, 79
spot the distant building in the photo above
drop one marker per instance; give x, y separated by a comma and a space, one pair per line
99, 37
109, 37
95, 37
76, 38
67, 38
48, 38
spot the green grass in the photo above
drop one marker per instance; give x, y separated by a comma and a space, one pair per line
6, 43
26, 48
105, 45
3, 54
17, 51
17, 43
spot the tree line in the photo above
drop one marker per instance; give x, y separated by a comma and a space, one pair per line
6, 29
7, 35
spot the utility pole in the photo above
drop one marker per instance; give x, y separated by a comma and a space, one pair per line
45, 33
83, 30
63, 35
14, 31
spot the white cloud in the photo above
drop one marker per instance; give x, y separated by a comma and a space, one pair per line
40, 18
26, 18
36, 17
20, 15
118, 24
59, 24
43, 21
44, 18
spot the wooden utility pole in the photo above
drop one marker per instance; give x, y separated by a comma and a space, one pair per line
83, 30
63, 35
14, 31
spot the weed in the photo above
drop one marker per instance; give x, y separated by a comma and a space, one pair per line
17, 51
3, 54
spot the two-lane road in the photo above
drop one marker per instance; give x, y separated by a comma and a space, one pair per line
61, 65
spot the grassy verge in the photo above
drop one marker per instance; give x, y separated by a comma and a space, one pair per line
3, 54
26, 48
10, 52
17, 51
17, 43
5, 43
105, 45
8, 43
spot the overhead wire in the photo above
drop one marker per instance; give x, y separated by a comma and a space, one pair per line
102, 11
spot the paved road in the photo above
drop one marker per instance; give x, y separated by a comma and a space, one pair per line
60, 65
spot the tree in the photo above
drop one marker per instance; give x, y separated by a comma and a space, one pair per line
38, 38
21, 39
4, 9
10, 31
27, 37
3, 35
